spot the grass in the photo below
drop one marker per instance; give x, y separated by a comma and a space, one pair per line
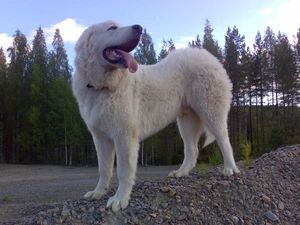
246, 151
204, 167
216, 158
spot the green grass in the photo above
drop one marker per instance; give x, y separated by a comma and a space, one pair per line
216, 158
246, 151
204, 167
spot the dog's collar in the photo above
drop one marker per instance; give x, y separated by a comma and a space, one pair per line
89, 86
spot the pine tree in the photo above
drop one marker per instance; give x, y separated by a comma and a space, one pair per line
260, 86
3, 73
288, 82
145, 53
234, 49
209, 43
166, 48
38, 92
16, 98
59, 55
269, 42
196, 43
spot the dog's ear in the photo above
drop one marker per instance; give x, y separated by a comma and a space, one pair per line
83, 44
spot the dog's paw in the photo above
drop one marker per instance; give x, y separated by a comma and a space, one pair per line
94, 195
178, 173
229, 171
116, 203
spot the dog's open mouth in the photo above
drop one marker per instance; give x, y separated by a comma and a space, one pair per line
120, 55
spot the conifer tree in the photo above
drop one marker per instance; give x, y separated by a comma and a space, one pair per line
3, 73
196, 43
59, 55
166, 48
38, 92
234, 49
209, 43
145, 53
16, 98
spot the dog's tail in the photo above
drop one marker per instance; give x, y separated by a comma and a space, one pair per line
209, 137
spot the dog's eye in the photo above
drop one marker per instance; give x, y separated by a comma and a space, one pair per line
112, 28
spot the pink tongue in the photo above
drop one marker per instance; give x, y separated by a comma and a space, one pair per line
130, 61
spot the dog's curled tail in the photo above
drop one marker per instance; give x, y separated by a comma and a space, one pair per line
209, 137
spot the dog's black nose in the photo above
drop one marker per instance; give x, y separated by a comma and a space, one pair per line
137, 28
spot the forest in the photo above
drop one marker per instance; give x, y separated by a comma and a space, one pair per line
40, 121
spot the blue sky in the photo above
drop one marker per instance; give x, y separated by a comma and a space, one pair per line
164, 19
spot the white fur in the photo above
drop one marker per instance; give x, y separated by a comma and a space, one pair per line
124, 108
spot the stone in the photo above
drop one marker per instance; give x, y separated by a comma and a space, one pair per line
164, 205
184, 209
182, 217
266, 198
153, 215
271, 216
165, 189
91, 210
280, 205
234, 219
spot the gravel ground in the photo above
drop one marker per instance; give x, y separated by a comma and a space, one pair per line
266, 192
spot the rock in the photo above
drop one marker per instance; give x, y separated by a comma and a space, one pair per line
91, 210
288, 214
280, 205
234, 219
182, 217
172, 192
164, 205
153, 215
165, 189
167, 217
208, 186
184, 209
282, 154
102, 209
271, 216
266, 198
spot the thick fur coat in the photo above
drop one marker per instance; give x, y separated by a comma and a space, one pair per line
122, 103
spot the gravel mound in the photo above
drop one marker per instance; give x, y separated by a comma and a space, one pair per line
267, 191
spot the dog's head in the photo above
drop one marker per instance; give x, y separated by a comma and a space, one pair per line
108, 45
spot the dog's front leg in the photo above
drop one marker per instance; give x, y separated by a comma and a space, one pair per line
105, 153
127, 154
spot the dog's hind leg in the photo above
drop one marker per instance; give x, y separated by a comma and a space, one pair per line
216, 122
105, 153
190, 127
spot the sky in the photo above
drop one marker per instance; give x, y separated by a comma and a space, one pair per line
180, 20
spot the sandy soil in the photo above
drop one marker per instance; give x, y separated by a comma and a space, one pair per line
23, 185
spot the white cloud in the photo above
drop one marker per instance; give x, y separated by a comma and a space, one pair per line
5, 43
183, 42
69, 29
265, 12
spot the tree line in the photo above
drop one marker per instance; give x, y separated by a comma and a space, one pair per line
40, 120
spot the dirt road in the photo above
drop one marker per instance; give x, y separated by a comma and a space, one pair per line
22, 185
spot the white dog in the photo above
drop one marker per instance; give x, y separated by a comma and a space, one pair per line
123, 103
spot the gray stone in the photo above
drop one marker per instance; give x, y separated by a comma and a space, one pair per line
271, 216
234, 219
184, 209
280, 205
